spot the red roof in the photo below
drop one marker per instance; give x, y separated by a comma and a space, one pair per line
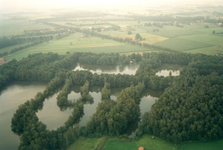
2, 59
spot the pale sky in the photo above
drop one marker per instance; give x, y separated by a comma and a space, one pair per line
20, 4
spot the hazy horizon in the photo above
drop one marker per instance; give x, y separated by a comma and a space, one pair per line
20, 5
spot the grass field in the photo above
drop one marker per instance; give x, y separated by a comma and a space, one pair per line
86, 143
109, 143
207, 50
205, 38
145, 141
181, 44
88, 44
213, 145
193, 38
150, 38
170, 31
120, 145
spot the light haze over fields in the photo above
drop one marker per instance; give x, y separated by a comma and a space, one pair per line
7, 5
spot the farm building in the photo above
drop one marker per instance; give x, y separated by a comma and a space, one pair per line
2, 60
141, 148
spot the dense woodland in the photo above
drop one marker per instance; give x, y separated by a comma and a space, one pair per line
189, 109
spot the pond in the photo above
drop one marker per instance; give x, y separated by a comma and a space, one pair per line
127, 69
10, 98
54, 118
51, 115
145, 105
169, 69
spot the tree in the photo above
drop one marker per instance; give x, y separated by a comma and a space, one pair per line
129, 33
138, 36
213, 32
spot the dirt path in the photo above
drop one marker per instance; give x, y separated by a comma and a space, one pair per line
103, 143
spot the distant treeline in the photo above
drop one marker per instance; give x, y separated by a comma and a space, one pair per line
168, 18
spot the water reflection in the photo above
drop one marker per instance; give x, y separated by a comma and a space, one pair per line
10, 98
145, 105
128, 69
169, 69
51, 115
90, 109
167, 73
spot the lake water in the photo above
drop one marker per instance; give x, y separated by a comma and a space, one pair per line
47, 114
48, 117
10, 98
51, 115
167, 69
127, 69
167, 73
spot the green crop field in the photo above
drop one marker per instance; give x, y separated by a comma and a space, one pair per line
207, 50
205, 38
152, 39
74, 43
170, 31
181, 44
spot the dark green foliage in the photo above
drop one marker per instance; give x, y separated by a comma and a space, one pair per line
113, 117
85, 96
189, 109
106, 92
7, 72
138, 37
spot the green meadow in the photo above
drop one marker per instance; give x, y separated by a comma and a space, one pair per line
76, 43
146, 141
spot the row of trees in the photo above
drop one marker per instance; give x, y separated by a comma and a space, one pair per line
6, 41
35, 41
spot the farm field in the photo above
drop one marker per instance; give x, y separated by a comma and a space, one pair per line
74, 43
15, 27
205, 38
194, 38
150, 38
169, 31
181, 44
